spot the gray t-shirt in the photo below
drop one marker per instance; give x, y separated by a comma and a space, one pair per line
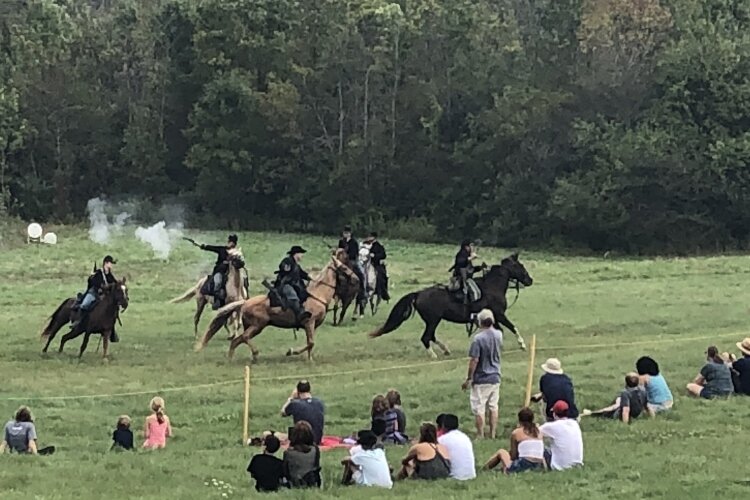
312, 410
19, 434
718, 379
486, 347
633, 398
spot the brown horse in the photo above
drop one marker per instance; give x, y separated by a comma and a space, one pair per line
235, 287
257, 313
101, 318
346, 289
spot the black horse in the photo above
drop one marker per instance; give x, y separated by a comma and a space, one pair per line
436, 303
101, 319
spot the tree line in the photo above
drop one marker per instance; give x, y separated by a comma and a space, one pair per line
601, 124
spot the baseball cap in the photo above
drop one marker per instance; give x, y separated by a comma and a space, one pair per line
560, 407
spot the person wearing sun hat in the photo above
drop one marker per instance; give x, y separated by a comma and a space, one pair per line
742, 367
554, 386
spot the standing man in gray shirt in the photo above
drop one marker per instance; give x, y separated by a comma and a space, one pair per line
484, 372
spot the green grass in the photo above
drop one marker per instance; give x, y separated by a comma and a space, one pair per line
596, 315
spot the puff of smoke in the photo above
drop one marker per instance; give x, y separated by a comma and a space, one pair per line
159, 237
101, 229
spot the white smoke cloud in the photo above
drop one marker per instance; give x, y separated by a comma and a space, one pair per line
101, 229
160, 237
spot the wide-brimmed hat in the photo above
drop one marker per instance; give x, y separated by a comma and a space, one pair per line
109, 258
296, 249
744, 346
552, 365
232, 238
466, 243
484, 315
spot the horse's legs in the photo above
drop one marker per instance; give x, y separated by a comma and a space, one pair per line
310, 334
335, 311
244, 338
49, 341
105, 342
428, 336
84, 344
201, 302
503, 320
69, 336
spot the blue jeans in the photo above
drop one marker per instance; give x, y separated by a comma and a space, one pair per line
89, 300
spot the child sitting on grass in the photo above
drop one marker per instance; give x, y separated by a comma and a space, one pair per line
157, 428
122, 437
267, 469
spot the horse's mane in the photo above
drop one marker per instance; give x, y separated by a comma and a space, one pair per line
235, 252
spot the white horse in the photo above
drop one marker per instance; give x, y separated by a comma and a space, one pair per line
371, 279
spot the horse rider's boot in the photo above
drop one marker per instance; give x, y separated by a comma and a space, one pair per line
220, 297
299, 312
114, 338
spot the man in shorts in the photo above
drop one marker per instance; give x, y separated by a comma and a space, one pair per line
484, 372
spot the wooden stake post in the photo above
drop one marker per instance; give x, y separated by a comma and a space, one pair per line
246, 412
530, 379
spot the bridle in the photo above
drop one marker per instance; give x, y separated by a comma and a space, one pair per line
338, 271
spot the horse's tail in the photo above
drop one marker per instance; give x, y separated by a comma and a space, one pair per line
402, 311
189, 294
221, 318
57, 320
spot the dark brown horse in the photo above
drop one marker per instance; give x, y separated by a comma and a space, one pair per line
101, 319
347, 289
436, 303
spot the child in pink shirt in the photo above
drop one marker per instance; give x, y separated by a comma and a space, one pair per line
157, 427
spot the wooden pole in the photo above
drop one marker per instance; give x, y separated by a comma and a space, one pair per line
530, 379
246, 408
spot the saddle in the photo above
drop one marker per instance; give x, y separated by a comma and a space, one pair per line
208, 285
454, 287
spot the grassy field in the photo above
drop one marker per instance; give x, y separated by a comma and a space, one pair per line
596, 315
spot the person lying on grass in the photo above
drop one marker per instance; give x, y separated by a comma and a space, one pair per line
526, 447
658, 396
20, 435
427, 459
628, 405
368, 466
714, 379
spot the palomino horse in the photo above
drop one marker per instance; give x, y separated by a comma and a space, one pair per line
371, 281
257, 313
101, 319
436, 303
235, 287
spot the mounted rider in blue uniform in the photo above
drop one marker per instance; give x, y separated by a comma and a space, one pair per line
377, 257
221, 268
96, 281
290, 283
350, 245
463, 269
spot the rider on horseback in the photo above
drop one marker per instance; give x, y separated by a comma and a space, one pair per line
96, 281
290, 283
377, 256
350, 245
221, 268
463, 268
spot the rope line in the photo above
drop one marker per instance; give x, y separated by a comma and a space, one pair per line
363, 370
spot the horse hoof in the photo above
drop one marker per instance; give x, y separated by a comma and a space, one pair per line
289, 352
522, 345
447, 353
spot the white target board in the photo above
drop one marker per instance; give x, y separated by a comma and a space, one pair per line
50, 239
34, 232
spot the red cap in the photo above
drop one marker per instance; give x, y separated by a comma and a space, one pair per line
560, 407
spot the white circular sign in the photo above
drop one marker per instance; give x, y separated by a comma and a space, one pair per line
34, 230
50, 239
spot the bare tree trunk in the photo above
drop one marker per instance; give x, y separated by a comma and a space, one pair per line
394, 94
341, 119
365, 124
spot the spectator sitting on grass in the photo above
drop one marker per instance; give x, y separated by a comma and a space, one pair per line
715, 378
658, 396
20, 435
742, 368
367, 466
301, 405
394, 401
566, 441
555, 386
427, 459
267, 469
459, 447
628, 405
302, 458
122, 437
526, 447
